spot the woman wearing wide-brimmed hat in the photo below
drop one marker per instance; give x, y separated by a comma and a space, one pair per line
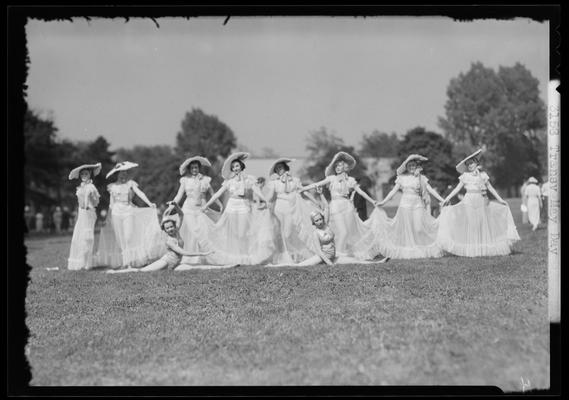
412, 233
237, 239
532, 197
196, 226
292, 213
133, 238
347, 226
476, 226
83, 240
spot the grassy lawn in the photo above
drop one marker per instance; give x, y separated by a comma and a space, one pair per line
448, 321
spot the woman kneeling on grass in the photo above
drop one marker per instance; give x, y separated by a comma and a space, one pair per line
322, 241
174, 243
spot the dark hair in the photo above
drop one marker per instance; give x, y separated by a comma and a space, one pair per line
165, 222
260, 180
240, 163
285, 166
88, 170
471, 160
195, 162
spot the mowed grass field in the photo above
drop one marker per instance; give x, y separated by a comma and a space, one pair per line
447, 321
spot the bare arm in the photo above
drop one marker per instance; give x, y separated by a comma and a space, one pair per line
180, 194
141, 194
390, 194
366, 196
175, 207
314, 185
453, 193
213, 198
435, 194
495, 193
177, 249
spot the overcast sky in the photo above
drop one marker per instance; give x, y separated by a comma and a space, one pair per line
272, 80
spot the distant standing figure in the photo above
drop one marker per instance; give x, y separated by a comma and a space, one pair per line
533, 200
57, 217
65, 219
83, 240
359, 201
39, 221
545, 201
28, 217
524, 206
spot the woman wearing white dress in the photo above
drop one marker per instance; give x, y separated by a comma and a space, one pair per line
237, 238
533, 201
83, 240
412, 233
196, 225
133, 238
345, 222
291, 211
476, 226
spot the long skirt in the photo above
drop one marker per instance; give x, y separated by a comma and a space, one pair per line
131, 237
83, 240
240, 239
412, 233
196, 228
477, 227
533, 210
347, 226
295, 226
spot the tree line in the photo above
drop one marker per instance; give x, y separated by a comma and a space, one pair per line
498, 110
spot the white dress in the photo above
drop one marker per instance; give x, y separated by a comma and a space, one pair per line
412, 233
476, 226
83, 240
196, 226
294, 223
344, 220
132, 235
237, 238
533, 194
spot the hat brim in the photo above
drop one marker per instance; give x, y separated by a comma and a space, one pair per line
340, 156
279, 161
204, 162
413, 157
125, 167
461, 166
226, 169
95, 169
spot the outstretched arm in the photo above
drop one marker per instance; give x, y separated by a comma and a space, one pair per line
435, 194
217, 201
177, 249
390, 194
366, 196
179, 195
495, 193
453, 193
173, 206
213, 198
314, 185
141, 194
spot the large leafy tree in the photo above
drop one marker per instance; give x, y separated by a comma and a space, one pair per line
379, 144
440, 168
502, 112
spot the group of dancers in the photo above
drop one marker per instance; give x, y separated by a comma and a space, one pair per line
284, 222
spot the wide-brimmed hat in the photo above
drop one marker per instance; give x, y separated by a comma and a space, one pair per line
204, 162
282, 160
532, 180
413, 157
461, 166
340, 156
122, 166
226, 169
74, 174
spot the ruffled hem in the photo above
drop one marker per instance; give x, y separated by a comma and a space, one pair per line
77, 264
502, 248
401, 253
